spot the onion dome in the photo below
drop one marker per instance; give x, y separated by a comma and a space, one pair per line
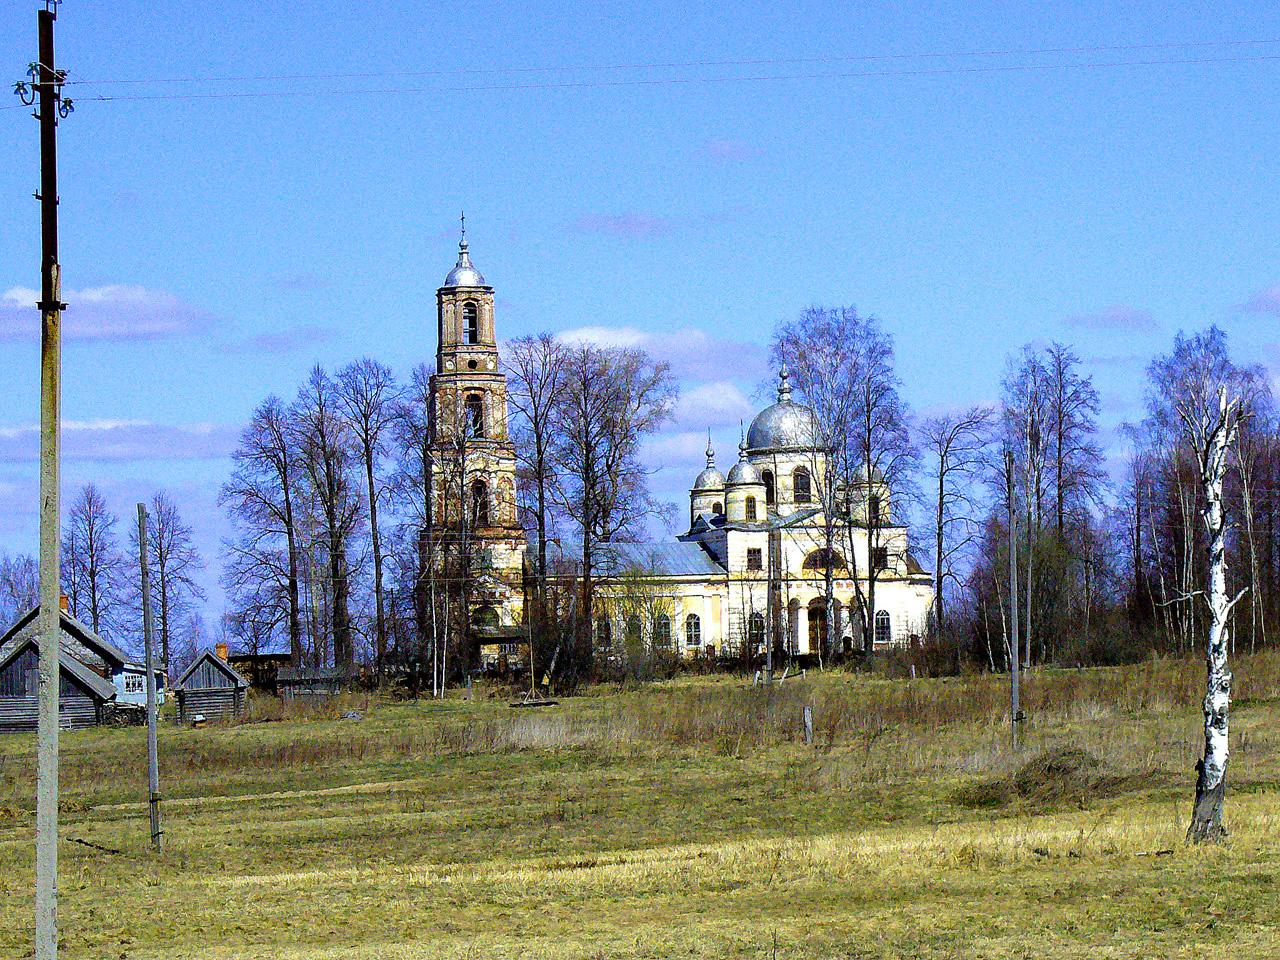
464, 273
743, 473
785, 426
710, 478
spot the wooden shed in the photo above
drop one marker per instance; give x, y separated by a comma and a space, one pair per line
295, 682
211, 688
84, 699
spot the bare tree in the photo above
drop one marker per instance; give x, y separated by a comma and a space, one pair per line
613, 398
174, 562
823, 351
1197, 390
367, 392
957, 446
327, 452
535, 393
19, 586
93, 564
262, 573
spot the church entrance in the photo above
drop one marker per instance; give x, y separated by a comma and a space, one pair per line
817, 624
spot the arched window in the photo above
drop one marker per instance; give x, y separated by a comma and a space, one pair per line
884, 632
800, 485
604, 633
485, 617
633, 634
662, 631
770, 497
475, 414
693, 630
471, 321
755, 631
717, 508
480, 502
873, 509
751, 508
822, 558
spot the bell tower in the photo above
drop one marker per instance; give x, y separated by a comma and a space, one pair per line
474, 460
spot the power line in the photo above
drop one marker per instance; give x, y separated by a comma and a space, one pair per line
686, 64
672, 81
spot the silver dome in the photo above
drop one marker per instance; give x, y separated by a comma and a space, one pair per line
709, 479
464, 272
786, 425
743, 472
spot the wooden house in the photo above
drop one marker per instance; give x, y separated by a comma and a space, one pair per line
104, 658
85, 699
210, 688
294, 682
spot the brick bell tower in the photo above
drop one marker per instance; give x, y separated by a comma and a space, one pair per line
474, 461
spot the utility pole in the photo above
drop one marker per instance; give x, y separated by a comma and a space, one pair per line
45, 86
153, 760
1015, 713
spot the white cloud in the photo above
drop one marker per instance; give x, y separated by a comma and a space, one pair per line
123, 440
111, 312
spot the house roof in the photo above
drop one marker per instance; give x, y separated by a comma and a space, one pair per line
218, 663
663, 558
101, 688
105, 649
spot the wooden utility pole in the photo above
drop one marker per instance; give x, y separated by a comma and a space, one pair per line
1015, 713
153, 761
46, 88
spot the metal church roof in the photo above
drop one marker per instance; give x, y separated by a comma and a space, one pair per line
663, 558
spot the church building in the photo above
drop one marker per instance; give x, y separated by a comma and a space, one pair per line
753, 562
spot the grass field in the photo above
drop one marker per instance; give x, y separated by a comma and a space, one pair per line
686, 819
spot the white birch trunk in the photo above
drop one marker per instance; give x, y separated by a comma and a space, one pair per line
1206, 820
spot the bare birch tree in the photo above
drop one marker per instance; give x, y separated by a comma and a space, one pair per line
174, 562
19, 586
1198, 390
93, 563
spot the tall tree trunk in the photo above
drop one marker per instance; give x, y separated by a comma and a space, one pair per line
1211, 770
380, 623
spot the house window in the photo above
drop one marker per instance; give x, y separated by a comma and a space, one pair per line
880, 557
751, 508
662, 631
801, 486
471, 321
755, 631
692, 630
769, 496
475, 414
884, 632
480, 502
133, 683
755, 558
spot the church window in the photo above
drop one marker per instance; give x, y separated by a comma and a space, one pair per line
755, 558
801, 486
662, 631
770, 497
755, 631
717, 508
751, 508
471, 321
633, 634
880, 558
822, 558
475, 414
873, 509
884, 631
693, 630
604, 633
480, 502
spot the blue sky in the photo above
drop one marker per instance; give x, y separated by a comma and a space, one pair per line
214, 249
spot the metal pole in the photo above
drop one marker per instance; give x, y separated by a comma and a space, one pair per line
153, 760
50, 625
1015, 714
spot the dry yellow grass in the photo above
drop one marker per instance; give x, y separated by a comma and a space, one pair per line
684, 820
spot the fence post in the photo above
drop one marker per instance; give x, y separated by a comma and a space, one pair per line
808, 725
